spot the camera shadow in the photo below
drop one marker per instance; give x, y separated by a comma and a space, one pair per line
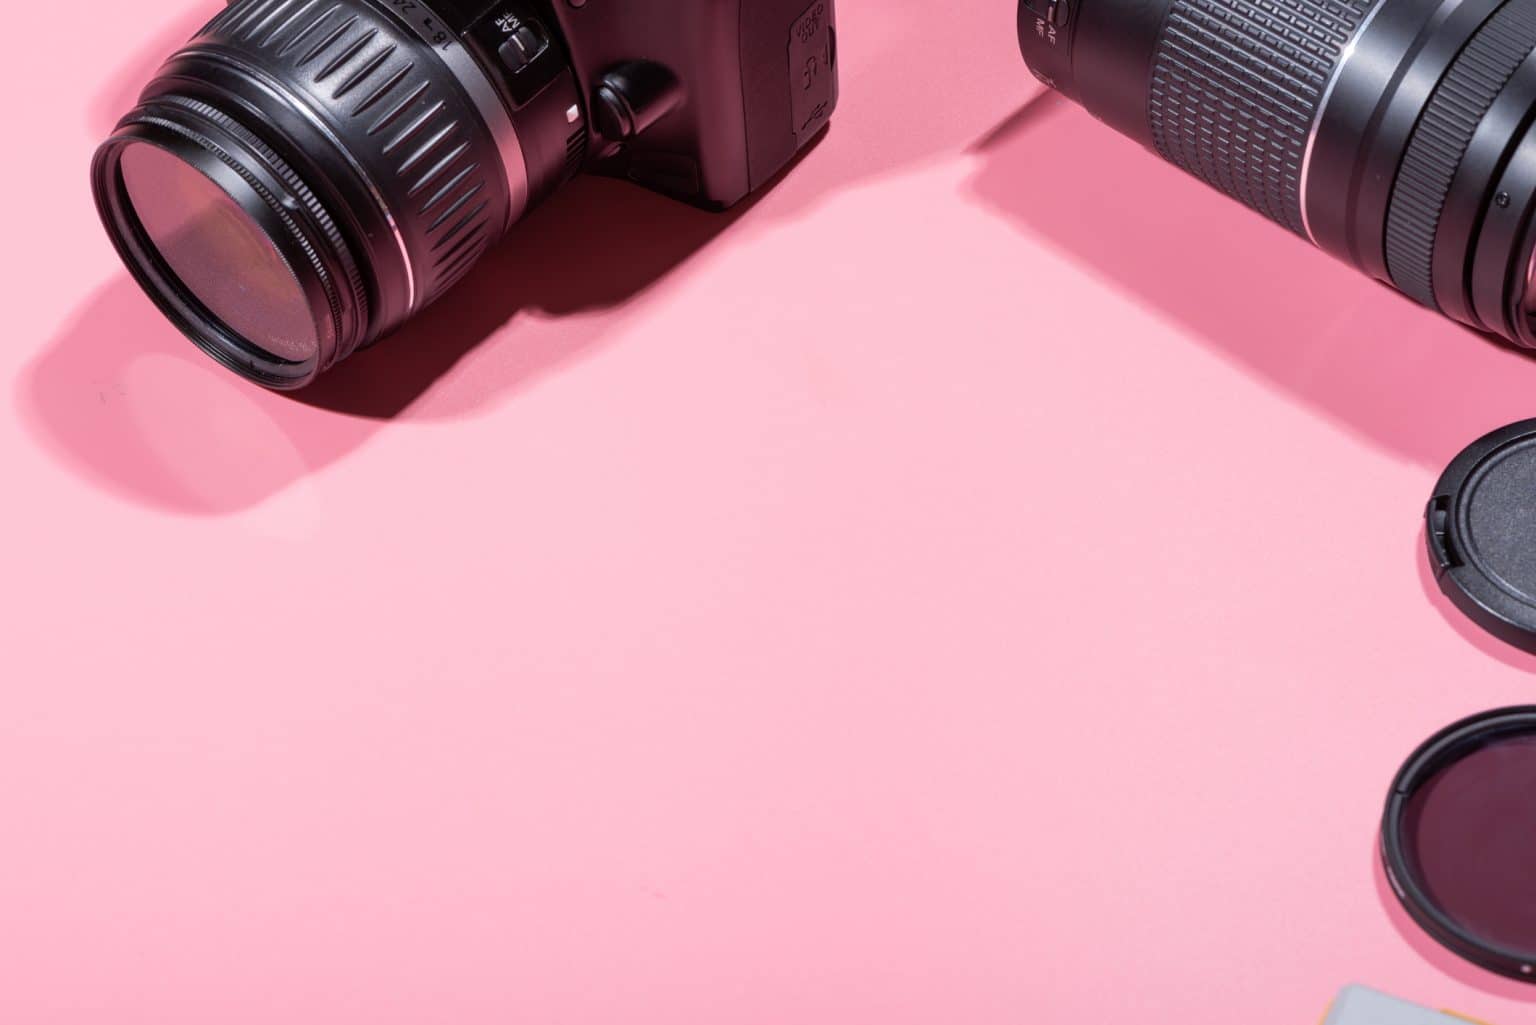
117, 396
120, 86
122, 396
1458, 621
594, 246
1357, 352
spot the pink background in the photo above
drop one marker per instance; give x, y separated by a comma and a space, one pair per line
979, 583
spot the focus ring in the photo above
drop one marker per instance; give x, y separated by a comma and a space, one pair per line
1236, 85
1441, 139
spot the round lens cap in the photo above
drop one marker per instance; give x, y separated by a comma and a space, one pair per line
1482, 533
1457, 837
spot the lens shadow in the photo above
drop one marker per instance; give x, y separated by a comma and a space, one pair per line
1469, 631
121, 87
1357, 352
593, 247
121, 396
1438, 957
100, 395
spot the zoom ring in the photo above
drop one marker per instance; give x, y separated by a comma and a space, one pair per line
1441, 139
398, 110
1236, 85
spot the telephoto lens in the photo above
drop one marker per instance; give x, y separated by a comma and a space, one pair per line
305, 175
1395, 134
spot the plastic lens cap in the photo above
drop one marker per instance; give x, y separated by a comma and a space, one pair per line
1481, 533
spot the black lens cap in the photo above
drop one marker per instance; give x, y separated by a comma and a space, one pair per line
1481, 532
1459, 839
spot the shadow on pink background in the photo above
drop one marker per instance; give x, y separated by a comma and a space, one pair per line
758, 695
1355, 351
1457, 620
621, 238
594, 247
1438, 957
1359, 353
554, 289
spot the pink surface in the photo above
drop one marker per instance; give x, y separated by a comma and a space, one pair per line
979, 583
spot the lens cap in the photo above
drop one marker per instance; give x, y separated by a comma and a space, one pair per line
1459, 839
1482, 533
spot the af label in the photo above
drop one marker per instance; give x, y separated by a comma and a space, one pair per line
812, 77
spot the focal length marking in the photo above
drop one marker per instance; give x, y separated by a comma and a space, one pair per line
476, 83
424, 22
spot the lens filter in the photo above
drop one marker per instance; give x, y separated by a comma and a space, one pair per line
1459, 839
219, 253
226, 237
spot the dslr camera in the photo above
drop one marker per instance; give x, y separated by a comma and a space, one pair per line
305, 175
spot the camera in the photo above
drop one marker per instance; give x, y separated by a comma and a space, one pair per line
305, 175
1394, 134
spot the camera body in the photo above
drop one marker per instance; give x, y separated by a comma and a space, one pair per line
702, 100
368, 153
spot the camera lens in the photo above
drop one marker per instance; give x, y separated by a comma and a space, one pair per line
1458, 836
303, 177
1395, 134
218, 253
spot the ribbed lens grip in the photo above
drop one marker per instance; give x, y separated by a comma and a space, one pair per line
1236, 85
396, 110
1441, 139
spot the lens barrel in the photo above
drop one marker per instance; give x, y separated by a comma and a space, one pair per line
1395, 134
380, 153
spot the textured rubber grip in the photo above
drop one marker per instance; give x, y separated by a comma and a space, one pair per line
1441, 139
1236, 86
